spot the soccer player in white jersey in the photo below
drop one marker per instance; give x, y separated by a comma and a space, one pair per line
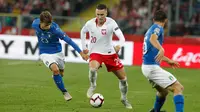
153, 54
101, 50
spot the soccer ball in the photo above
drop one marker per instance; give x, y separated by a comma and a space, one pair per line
97, 100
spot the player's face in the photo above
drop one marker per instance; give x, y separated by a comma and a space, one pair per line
45, 26
101, 15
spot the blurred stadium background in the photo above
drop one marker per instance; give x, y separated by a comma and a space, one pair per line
26, 85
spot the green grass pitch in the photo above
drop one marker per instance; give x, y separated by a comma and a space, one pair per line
27, 87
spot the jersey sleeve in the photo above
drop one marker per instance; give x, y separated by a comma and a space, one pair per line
33, 24
84, 30
157, 31
67, 39
115, 26
118, 33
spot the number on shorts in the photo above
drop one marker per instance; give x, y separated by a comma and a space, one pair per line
117, 61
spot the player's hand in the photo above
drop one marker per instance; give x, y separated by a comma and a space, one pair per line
84, 56
85, 51
117, 48
160, 55
173, 64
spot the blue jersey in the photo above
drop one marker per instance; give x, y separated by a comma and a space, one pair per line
48, 40
149, 51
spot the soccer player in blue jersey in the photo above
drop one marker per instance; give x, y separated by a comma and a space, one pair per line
153, 54
48, 34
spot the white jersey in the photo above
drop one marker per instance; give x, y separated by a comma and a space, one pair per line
100, 38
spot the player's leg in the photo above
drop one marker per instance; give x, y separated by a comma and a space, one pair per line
94, 64
57, 77
59, 57
123, 86
177, 90
160, 99
158, 79
61, 72
113, 64
51, 63
166, 80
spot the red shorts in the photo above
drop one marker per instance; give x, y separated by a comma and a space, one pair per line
112, 61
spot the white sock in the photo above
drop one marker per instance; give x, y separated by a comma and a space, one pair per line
93, 77
123, 86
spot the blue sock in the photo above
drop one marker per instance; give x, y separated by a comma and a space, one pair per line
59, 82
158, 103
179, 103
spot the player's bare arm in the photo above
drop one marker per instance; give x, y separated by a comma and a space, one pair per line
172, 63
156, 44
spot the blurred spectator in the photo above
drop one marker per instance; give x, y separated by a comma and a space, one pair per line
114, 11
36, 9
66, 8
28, 7
78, 6
12, 31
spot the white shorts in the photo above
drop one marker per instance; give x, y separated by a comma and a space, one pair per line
57, 58
158, 76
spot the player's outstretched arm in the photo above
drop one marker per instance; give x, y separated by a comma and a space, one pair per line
156, 44
172, 63
75, 46
68, 40
83, 39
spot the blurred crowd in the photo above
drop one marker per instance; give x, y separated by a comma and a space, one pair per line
133, 18
131, 15
56, 7
34, 7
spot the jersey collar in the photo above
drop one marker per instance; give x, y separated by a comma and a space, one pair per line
96, 21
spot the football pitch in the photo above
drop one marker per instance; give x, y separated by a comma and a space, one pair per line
27, 86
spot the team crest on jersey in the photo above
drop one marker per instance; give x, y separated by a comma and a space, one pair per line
103, 31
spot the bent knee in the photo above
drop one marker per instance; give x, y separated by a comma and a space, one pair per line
93, 69
177, 88
55, 69
163, 93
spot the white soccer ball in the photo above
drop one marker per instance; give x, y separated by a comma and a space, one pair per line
97, 100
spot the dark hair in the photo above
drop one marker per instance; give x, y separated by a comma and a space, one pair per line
101, 7
45, 17
160, 16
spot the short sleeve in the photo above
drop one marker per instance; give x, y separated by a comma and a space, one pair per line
157, 31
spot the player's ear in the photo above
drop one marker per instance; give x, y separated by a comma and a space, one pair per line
166, 20
106, 13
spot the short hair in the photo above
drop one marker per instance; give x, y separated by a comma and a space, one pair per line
160, 16
101, 7
46, 17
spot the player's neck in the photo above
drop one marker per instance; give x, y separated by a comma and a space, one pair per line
43, 29
100, 24
159, 23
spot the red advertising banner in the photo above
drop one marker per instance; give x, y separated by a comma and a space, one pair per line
187, 55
